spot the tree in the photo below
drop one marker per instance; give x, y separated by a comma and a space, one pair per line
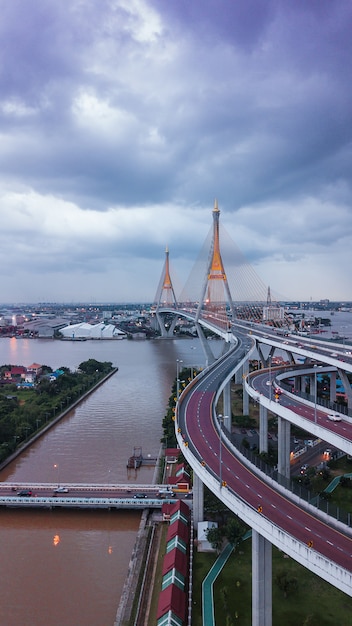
213, 507
215, 538
234, 531
92, 365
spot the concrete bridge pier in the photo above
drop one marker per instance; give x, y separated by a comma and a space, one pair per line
347, 386
198, 500
261, 581
245, 401
263, 428
239, 376
284, 436
298, 384
226, 396
332, 386
158, 323
165, 332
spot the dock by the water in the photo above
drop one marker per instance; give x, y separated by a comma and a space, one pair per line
137, 459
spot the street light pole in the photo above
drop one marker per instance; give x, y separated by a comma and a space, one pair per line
270, 377
221, 421
178, 361
56, 466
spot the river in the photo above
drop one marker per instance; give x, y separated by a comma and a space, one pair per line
68, 568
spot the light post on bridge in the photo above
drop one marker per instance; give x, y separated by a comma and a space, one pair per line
270, 377
57, 467
221, 421
178, 363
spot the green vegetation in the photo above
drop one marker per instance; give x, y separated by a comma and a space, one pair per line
169, 436
299, 597
24, 411
234, 531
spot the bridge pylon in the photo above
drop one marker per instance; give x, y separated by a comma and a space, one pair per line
215, 301
165, 297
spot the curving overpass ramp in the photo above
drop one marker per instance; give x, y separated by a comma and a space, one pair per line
311, 537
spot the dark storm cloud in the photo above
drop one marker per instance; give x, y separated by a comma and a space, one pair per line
121, 120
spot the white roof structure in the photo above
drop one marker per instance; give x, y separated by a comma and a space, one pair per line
92, 331
203, 543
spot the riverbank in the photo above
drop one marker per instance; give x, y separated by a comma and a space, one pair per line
146, 540
45, 428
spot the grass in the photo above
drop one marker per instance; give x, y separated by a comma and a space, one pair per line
313, 603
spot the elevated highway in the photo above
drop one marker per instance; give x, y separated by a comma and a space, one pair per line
314, 539
296, 410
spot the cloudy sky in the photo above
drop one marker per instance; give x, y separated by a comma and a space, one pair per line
122, 120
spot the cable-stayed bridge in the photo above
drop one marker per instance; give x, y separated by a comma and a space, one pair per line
211, 292
276, 515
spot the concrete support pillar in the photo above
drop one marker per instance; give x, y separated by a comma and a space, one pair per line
245, 396
245, 402
161, 324
198, 500
239, 376
332, 386
170, 332
347, 386
263, 429
226, 396
261, 580
284, 437
298, 384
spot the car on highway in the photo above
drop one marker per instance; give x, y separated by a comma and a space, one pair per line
24, 493
334, 417
61, 490
304, 468
165, 493
139, 496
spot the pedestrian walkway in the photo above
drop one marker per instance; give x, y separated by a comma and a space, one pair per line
334, 483
208, 582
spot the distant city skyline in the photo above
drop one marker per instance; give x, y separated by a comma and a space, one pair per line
121, 122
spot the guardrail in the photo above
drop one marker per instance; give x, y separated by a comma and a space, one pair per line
83, 503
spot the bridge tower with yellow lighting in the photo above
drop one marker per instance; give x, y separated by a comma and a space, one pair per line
166, 295
215, 301
165, 298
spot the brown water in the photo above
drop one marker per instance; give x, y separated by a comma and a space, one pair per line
60, 568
